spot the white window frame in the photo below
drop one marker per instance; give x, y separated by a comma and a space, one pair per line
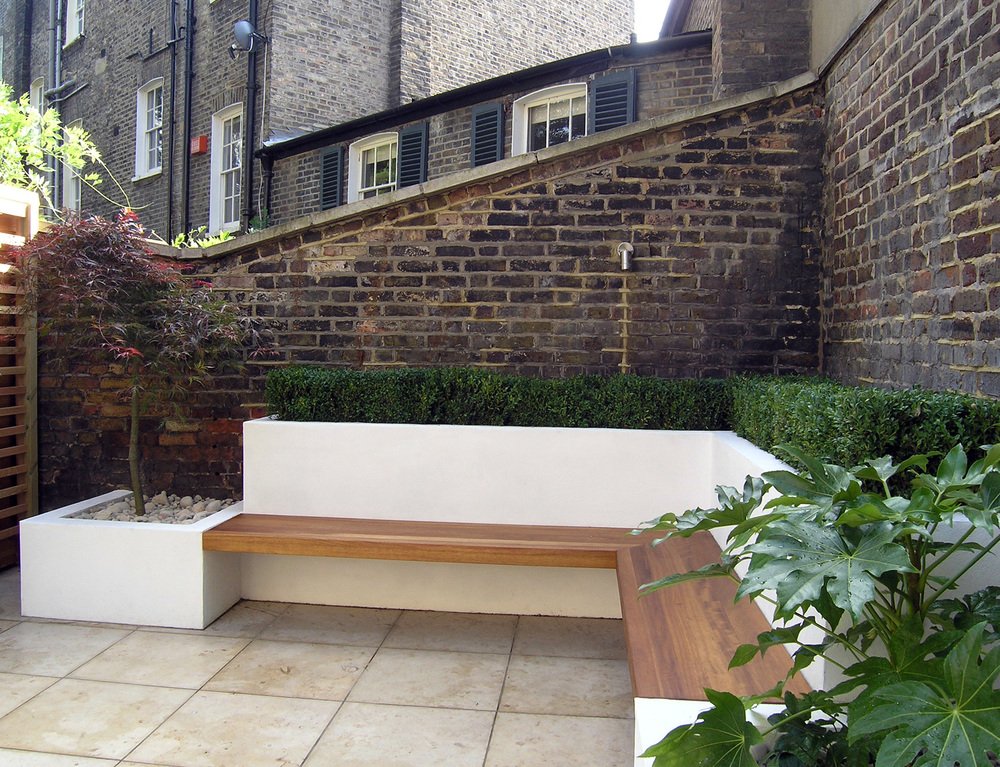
75, 11
355, 157
72, 184
217, 220
147, 130
523, 105
36, 94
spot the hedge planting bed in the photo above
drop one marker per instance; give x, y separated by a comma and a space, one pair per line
845, 424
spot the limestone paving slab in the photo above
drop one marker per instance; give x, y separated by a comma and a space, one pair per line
11, 758
533, 740
360, 626
215, 728
403, 736
4, 625
294, 670
246, 619
15, 689
570, 637
53, 649
462, 632
432, 678
167, 660
87, 718
568, 686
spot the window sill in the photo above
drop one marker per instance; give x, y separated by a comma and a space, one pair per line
147, 175
70, 43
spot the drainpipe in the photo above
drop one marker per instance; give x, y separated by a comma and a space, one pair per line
55, 74
172, 140
188, 102
250, 133
267, 165
28, 30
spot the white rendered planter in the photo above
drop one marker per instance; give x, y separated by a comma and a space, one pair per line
485, 474
144, 573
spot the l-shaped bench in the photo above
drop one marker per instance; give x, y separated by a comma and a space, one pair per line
436, 514
679, 640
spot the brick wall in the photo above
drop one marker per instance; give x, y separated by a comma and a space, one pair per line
517, 272
704, 14
330, 63
912, 264
445, 45
666, 83
766, 41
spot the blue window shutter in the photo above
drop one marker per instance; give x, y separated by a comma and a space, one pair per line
412, 155
487, 134
331, 178
612, 101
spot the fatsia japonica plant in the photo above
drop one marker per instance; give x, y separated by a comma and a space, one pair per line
101, 295
870, 561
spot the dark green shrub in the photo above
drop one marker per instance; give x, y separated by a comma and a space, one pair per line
843, 424
482, 397
847, 424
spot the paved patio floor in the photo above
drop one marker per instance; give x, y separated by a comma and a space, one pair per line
288, 685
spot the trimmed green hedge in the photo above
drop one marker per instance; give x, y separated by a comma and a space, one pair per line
844, 424
481, 397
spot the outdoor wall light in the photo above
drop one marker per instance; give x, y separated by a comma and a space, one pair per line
625, 251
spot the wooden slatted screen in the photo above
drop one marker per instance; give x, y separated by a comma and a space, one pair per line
18, 434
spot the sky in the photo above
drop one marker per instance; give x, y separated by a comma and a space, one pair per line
649, 18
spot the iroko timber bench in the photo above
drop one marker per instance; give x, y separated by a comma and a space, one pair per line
679, 640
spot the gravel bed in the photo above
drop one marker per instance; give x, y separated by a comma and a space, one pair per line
163, 508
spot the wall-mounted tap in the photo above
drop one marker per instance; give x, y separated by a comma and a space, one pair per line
626, 250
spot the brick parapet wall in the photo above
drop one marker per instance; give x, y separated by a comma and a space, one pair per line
516, 270
520, 270
912, 264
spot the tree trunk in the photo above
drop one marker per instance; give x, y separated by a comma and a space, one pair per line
133, 451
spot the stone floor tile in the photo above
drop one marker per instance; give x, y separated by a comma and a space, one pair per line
403, 736
463, 632
430, 678
532, 740
361, 626
245, 619
10, 594
294, 670
15, 689
11, 758
85, 718
4, 625
215, 729
166, 660
52, 649
570, 637
568, 686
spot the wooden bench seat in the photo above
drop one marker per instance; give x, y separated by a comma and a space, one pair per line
679, 639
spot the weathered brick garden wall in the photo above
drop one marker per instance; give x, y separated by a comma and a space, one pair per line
516, 270
912, 264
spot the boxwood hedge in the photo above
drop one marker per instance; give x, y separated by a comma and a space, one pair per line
841, 423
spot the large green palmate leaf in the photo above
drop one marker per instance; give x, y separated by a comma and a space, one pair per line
953, 722
721, 737
800, 560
